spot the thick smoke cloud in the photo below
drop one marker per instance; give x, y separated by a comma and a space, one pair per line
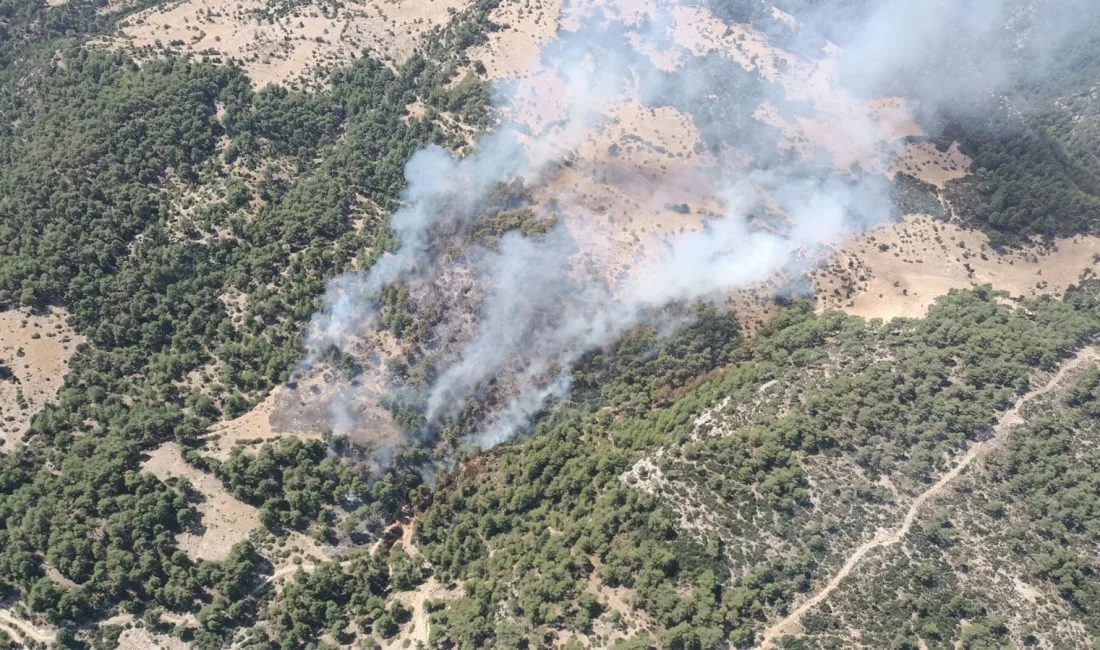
537, 310
956, 57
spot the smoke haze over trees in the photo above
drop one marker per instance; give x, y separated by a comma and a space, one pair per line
538, 311
221, 246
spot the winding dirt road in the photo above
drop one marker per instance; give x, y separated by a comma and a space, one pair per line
21, 630
1011, 418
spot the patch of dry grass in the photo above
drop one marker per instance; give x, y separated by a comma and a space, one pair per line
36, 348
275, 46
901, 268
225, 520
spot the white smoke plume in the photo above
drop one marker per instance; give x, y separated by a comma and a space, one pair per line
539, 310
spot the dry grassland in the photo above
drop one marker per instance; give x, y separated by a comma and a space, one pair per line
36, 348
282, 46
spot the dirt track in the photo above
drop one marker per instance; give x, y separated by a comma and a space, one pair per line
22, 630
1012, 418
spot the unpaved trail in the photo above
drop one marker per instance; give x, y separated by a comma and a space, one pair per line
1010, 419
22, 630
291, 569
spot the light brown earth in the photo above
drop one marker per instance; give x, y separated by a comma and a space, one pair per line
304, 555
36, 348
24, 631
225, 519
525, 28
61, 581
924, 161
319, 402
853, 132
325, 402
900, 268
276, 48
416, 630
628, 195
142, 639
696, 519
849, 132
251, 430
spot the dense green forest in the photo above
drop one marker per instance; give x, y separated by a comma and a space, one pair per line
138, 196
683, 497
523, 531
545, 515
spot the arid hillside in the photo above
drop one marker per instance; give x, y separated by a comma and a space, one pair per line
284, 43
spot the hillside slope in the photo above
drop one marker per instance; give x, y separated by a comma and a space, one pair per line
502, 324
